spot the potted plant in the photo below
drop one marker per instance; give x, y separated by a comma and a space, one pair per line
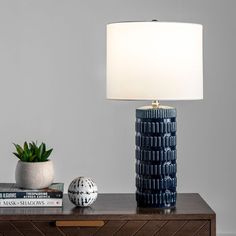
33, 170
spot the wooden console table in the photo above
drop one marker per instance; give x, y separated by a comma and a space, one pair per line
112, 214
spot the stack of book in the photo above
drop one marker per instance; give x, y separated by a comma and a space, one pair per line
11, 196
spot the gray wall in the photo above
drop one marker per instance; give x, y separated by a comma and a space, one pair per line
52, 89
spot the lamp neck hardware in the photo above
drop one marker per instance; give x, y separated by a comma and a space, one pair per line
155, 104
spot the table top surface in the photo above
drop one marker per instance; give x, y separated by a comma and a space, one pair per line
114, 206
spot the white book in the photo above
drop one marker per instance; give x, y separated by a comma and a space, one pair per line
22, 202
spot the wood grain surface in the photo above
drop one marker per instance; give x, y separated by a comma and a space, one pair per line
119, 228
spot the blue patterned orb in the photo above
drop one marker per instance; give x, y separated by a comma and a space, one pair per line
82, 191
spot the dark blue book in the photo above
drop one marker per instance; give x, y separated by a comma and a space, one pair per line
11, 191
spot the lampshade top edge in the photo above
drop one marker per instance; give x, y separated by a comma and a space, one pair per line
154, 22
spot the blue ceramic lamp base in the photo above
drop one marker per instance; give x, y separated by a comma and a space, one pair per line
156, 157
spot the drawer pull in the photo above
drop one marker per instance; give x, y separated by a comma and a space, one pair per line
80, 223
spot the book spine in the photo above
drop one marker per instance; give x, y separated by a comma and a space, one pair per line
31, 195
30, 202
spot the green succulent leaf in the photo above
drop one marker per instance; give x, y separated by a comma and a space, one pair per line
32, 158
18, 149
44, 147
26, 148
40, 151
31, 146
34, 144
16, 154
31, 152
47, 154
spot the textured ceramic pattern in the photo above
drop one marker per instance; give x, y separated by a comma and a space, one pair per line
156, 157
34, 175
82, 191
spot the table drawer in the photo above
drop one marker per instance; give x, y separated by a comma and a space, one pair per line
106, 228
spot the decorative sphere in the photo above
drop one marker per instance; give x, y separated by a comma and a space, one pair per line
82, 191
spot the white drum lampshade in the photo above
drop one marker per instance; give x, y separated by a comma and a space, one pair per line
154, 61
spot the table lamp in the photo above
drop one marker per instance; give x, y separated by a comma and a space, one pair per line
155, 61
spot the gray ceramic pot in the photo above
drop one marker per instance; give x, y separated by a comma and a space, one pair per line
34, 175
